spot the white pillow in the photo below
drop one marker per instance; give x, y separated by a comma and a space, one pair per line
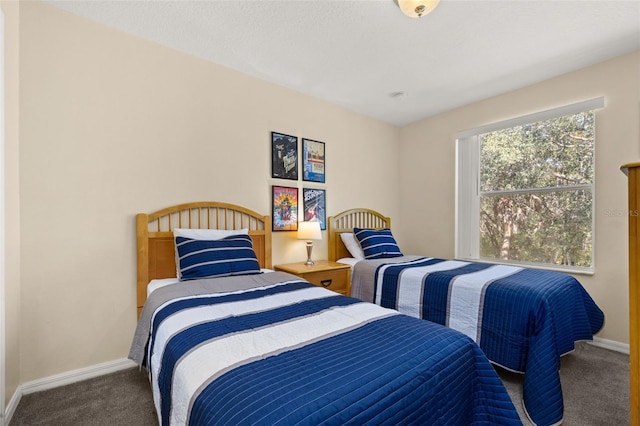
203, 234
351, 243
160, 282
208, 234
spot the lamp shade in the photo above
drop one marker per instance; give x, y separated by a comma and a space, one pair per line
417, 8
309, 230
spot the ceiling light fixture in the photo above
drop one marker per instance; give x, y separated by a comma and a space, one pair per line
417, 8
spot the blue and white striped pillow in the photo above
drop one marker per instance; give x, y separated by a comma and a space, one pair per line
232, 255
377, 243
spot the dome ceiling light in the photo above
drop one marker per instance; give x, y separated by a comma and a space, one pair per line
417, 8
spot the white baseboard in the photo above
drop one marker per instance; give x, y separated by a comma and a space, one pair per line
64, 379
611, 345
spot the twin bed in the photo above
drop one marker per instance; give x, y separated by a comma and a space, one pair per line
253, 346
523, 319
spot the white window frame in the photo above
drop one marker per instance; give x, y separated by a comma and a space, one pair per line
467, 227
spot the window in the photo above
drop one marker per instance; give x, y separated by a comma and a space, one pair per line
526, 189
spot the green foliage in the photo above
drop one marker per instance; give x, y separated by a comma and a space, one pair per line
552, 226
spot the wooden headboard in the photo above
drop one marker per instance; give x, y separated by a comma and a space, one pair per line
156, 249
345, 222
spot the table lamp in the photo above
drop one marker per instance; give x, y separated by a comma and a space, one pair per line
309, 231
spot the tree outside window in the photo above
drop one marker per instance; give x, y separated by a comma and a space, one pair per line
536, 192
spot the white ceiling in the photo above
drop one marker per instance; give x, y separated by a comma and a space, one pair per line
357, 53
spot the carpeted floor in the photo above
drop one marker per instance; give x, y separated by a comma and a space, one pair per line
118, 399
595, 384
595, 387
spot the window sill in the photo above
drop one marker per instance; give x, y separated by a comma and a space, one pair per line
557, 268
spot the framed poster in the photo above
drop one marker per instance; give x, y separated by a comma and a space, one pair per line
312, 161
315, 205
285, 208
284, 156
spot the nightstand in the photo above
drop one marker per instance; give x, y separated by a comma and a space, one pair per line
330, 275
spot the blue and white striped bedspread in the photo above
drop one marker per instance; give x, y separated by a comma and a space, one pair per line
523, 319
293, 353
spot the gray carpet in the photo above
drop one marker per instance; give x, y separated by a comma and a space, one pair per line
117, 399
595, 387
595, 384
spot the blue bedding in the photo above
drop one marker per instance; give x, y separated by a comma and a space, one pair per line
523, 319
287, 352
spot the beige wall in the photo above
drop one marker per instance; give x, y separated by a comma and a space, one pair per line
427, 179
112, 125
11, 200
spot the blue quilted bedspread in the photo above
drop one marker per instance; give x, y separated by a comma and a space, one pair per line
293, 353
523, 319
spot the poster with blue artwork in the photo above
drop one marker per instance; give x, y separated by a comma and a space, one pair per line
315, 206
313, 161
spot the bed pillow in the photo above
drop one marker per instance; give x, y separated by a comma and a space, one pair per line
232, 255
377, 243
352, 244
204, 234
